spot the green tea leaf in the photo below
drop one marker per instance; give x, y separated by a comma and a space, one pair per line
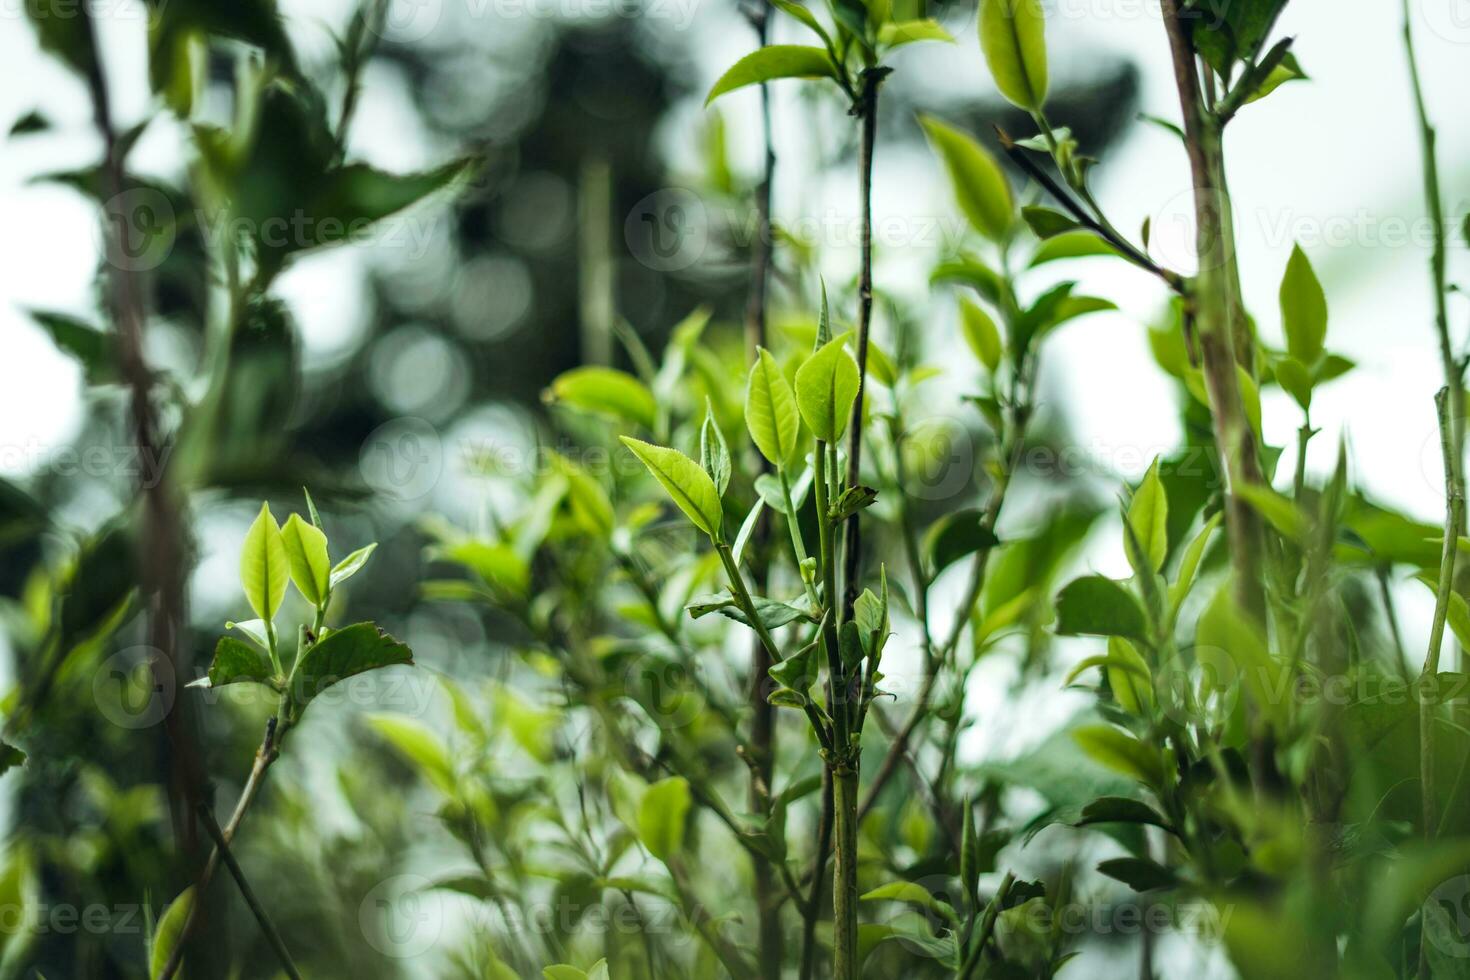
420, 745
894, 34
264, 567
1295, 379
981, 334
956, 535
1120, 752
1013, 37
236, 662
1303, 309
342, 654
1129, 677
980, 186
913, 894
1046, 223
714, 453
1099, 606
351, 565
661, 815
170, 933
1071, 245
1120, 809
689, 486
771, 62
607, 392
770, 411
1148, 515
1140, 874
306, 550
826, 387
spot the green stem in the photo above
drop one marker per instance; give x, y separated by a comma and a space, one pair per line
743, 599
798, 547
272, 935
844, 870
1214, 304
1454, 514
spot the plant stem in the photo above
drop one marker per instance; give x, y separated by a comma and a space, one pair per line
867, 111
819, 879
1214, 305
268, 752
1454, 514
267, 927
1453, 367
844, 869
762, 712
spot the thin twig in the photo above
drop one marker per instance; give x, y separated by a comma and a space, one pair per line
206, 817
268, 752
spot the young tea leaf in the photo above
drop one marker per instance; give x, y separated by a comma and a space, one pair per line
1148, 515
1303, 309
981, 334
264, 567
690, 487
714, 454
306, 550
605, 391
661, 815
826, 387
979, 184
774, 61
770, 411
351, 565
1013, 37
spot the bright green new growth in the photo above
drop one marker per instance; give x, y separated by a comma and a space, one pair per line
771, 414
772, 62
981, 333
1303, 309
979, 184
306, 548
1148, 517
1013, 37
690, 487
264, 567
826, 387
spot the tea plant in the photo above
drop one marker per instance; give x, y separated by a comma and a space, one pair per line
684, 702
